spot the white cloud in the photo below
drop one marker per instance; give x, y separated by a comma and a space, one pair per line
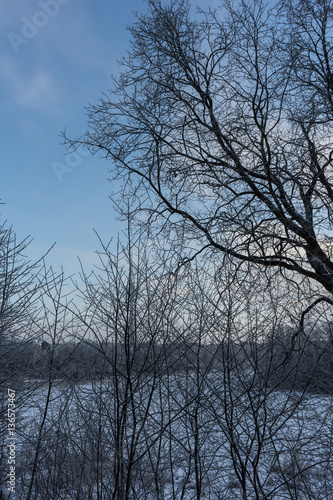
36, 90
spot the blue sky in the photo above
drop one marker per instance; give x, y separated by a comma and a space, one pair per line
56, 57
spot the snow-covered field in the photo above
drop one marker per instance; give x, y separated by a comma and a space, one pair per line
174, 438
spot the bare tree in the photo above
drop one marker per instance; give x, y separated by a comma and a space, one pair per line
266, 432
128, 306
224, 121
51, 327
20, 288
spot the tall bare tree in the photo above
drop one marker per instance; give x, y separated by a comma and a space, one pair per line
222, 121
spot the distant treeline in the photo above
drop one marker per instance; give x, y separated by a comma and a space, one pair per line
288, 359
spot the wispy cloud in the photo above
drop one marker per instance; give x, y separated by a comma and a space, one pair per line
34, 89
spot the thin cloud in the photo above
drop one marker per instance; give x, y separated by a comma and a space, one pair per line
36, 90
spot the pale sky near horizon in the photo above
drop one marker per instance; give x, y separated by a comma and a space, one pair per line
57, 57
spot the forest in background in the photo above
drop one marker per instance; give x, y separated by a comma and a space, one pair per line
87, 361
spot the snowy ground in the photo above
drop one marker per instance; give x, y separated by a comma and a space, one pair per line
188, 442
